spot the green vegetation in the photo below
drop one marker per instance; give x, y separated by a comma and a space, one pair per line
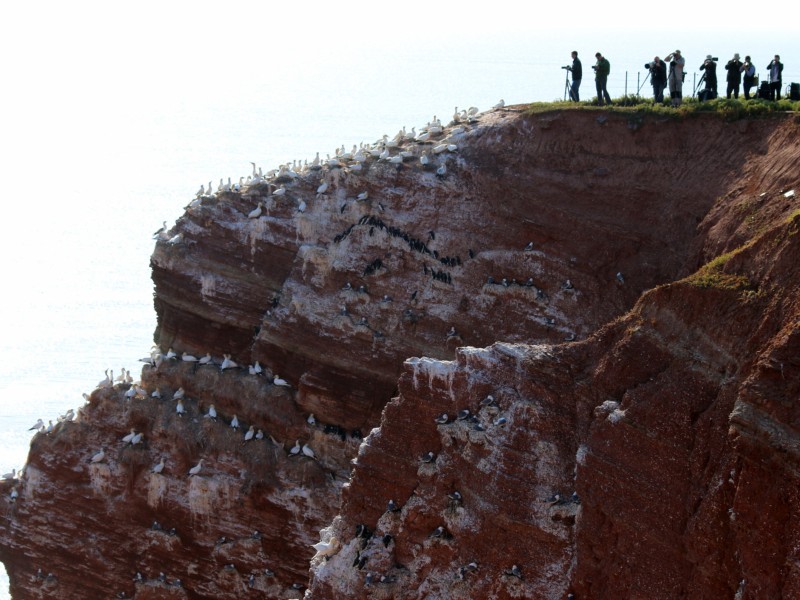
730, 110
711, 274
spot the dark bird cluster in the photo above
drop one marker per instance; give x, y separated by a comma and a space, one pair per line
373, 266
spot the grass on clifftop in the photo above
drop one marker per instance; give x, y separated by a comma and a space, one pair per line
730, 110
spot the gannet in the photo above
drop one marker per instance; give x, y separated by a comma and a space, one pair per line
325, 548
39, 424
255, 369
188, 357
311, 420
259, 435
179, 393
235, 422
98, 457
295, 450
323, 187
206, 359
256, 212
196, 469
362, 196
159, 467
179, 408
301, 206
439, 148
108, 381
278, 381
11, 475
170, 354
156, 394
121, 377
472, 111
227, 363
307, 451
177, 239
212, 413
452, 147
441, 171
424, 159
250, 434
129, 437
384, 155
163, 227
280, 191
200, 193
131, 392
396, 160
13, 495
500, 104
457, 130
136, 439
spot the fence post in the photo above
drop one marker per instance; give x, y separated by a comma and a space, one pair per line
626, 83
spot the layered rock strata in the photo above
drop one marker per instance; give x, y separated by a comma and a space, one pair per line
667, 423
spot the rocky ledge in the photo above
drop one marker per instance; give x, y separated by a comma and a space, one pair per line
628, 430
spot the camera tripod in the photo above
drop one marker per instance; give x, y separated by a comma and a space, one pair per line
567, 86
699, 83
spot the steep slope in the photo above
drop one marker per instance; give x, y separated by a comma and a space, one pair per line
557, 205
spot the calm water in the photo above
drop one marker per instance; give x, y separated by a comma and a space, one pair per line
97, 156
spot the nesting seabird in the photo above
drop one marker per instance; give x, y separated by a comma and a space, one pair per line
126, 439
212, 413
196, 469
259, 435
391, 506
620, 277
235, 422
206, 359
428, 457
156, 394
170, 354
250, 434
227, 363
179, 408
307, 451
325, 548
499, 421
98, 457
186, 357
256, 212
11, 475
159, 467
276, 380
255, 369
463, 414
137, 439
295, 450
488, 401
39, 424
179, 393
442, 419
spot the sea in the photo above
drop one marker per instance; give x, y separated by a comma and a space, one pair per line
111, 122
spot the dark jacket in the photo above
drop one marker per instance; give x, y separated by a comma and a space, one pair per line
780, 70
710, 68
658, 73
603, 68
734, 68
577, 70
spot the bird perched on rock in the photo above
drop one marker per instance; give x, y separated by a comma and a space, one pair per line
307, 451
38, 425
185, 357
250, 434
137, 439
127, 438
295, 450
99, 457
441, 419
325, 548
256, 212
235, 422
159, 467
212, 413
227, 363
179, 393
620, 277
179, 408
428, 457
515, 571
195, 470
276, 380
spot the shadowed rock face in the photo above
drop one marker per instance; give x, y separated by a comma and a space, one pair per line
670, 417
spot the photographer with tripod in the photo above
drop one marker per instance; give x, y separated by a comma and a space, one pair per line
676, 75
658, 78
577, 73
709, 68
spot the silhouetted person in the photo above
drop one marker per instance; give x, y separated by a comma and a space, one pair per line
658, 78
775, 68
710, 73
577, 74
734, 68
601, 71
675, 78
749, 76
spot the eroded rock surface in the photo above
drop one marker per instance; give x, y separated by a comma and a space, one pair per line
671, 415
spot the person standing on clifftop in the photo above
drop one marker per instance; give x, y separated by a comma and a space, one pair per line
675, 79
577, 73
601, 71
658, 78
775, 68
749, 72
734, 68
710, 68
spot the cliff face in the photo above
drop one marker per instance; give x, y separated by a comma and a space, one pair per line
671, 416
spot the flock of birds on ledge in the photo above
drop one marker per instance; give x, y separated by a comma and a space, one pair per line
384, 149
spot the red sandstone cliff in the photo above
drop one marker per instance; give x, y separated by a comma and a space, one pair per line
672, 415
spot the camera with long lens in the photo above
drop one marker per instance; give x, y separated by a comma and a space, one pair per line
594, 67
715, 58
567, 67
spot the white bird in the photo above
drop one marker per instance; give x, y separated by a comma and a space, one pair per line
13, 495
255, 369
170, 354
179, 408
159, 467
362, 196
212, 413
11, 475
280, 191
396, 160
301, 207
311, 420
472, 111
323, 187
188, 357
457, 130
295, 450
256, 212
179, 393
259, 435
200, 192
278, 381
137, 439
250, 434
108, 381
99, 456
156, 394
121, 377
176, 239
206, 359
70, 415
39, 424
439, 148
441, 171
307, 451
227, 363
196, 469
424, 159
235, 422
50, 427
500, 104
452, 147
163, 228
129, 437
325, 548
384, 155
